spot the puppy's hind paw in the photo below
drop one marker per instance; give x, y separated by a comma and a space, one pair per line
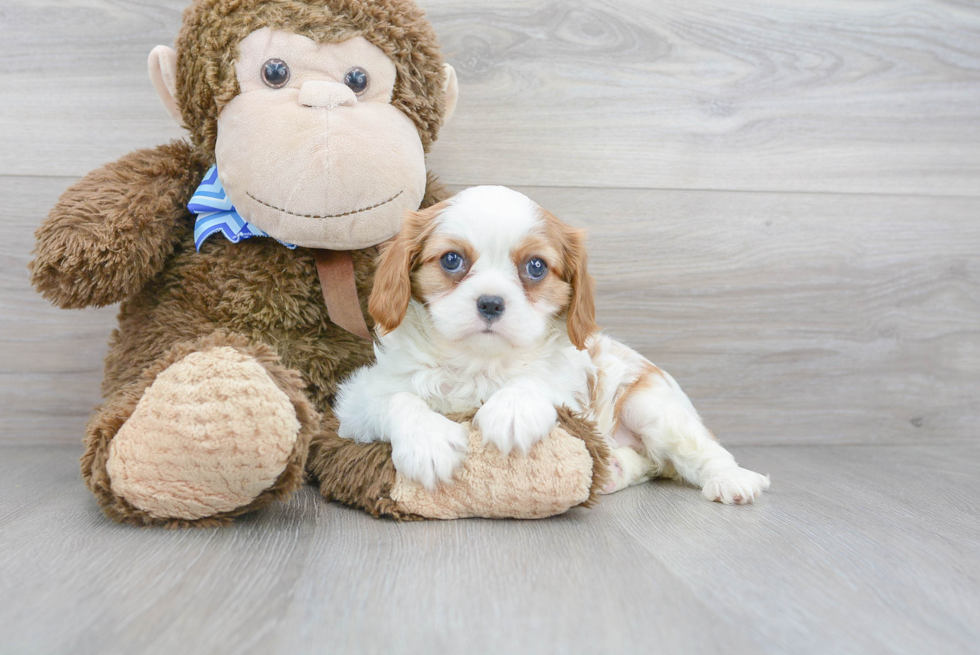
626, 467
735, 486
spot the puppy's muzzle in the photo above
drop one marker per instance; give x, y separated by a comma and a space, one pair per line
491, 307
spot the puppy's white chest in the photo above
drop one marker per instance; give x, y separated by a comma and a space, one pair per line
449, 390
562, 378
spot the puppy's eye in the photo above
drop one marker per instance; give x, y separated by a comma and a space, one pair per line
452, 262
357, 80
536, 268
275, 73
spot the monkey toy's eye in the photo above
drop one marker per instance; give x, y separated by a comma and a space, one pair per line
357, 80
452, 262
536, 268
275, 73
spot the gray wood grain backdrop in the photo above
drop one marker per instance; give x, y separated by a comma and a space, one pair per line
783, 197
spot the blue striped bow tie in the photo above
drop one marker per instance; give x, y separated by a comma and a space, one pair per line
215, 213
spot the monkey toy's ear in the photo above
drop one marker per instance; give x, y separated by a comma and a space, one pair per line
450, 90
163, 72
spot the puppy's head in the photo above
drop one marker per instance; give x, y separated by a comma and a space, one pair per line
490, 266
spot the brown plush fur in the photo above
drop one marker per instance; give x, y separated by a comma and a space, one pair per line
255, 288
357, 475
208, 44
585, 430
113, 230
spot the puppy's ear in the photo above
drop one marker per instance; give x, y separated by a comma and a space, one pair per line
580, 315
392, 288
581, 310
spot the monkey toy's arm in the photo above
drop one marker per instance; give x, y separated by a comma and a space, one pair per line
112, 231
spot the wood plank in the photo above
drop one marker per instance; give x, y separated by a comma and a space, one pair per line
756, 95
854, 550
695, 94
788, 318
81, 91
851, 552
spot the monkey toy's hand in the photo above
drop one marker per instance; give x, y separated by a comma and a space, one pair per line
112, 231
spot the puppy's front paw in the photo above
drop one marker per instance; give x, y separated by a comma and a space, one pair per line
429, 449
515, 417
735, 486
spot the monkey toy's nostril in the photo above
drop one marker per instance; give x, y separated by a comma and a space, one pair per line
490, 306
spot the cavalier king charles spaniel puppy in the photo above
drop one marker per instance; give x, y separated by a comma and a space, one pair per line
484, 302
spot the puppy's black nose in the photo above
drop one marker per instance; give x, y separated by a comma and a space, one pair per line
490, 306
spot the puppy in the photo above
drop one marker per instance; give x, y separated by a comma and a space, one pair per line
484, 302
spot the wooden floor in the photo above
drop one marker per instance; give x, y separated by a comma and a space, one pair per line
857, 549
783, 201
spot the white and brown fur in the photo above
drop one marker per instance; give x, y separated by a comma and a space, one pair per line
438, 353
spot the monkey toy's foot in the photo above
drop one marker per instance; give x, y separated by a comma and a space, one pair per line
567, 469
218, 431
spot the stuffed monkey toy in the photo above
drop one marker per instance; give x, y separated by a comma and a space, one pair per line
243, 259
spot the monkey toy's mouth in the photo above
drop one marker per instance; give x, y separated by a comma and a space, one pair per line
342, 214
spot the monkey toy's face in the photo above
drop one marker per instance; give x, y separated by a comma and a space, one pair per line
311, 149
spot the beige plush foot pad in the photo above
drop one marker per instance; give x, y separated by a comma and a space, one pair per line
209, 435
554, 477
